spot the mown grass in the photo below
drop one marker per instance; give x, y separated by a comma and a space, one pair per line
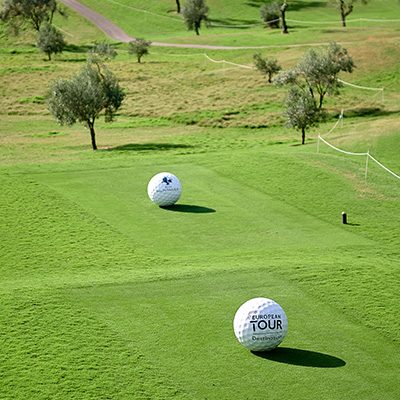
105, 295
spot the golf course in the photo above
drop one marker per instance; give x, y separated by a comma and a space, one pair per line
105, 295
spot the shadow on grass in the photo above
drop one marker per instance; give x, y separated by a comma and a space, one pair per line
233, 23
293, 6
149, 147
304, 358
369, 112
189, 208
73, 48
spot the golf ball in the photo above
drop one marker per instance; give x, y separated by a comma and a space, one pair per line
260, 324
164, 189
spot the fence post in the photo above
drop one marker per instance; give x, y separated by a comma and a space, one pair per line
366, 167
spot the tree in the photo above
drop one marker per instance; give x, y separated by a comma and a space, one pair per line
104, 51
274, 14
35, 12
50, 40
318, 71
83, 97
268, 67
194, 12
346, 7
139, 47
270, 14
301, 111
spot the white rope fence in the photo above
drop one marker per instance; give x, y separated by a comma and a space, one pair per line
350, 153
227, 62
363, 87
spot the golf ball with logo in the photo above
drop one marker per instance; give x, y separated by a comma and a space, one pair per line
260, 324
164, 189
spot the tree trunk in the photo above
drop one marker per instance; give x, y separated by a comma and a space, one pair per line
178, 7
138, 59
269, 78
303, 135
345, 10
196, 28
321, 99
343, 15
92, 134
283, 18
49, 55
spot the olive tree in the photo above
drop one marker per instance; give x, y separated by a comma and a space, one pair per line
50, 40
84, 96
274, 14
301, 111
346, 7
266, 66
270, 14
104, 51
139, 47
194, 12
318, 71
35, 12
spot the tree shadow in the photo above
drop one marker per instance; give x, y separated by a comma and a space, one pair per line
73, 48
233, 23
293, 5
304, 358
189, 208
300, 5
149, 147
255, 3
369, 112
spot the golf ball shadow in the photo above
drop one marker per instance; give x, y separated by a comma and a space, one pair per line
188, 208
304, 358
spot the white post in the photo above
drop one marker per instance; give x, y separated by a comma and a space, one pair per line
318, 145
366, 167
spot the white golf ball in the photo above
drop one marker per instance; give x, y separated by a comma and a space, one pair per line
260, 324
164, 189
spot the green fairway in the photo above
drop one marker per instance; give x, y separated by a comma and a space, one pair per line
104, 295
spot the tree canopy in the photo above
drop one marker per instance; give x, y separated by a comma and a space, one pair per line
318, 71
139, 47
35, 12
84, 96
266, 66
194, 12
301, 111
50, 40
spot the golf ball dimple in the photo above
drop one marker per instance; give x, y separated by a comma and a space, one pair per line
164, 189
260, 324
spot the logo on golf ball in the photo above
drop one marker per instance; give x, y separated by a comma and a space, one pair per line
164, 189
260, 324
